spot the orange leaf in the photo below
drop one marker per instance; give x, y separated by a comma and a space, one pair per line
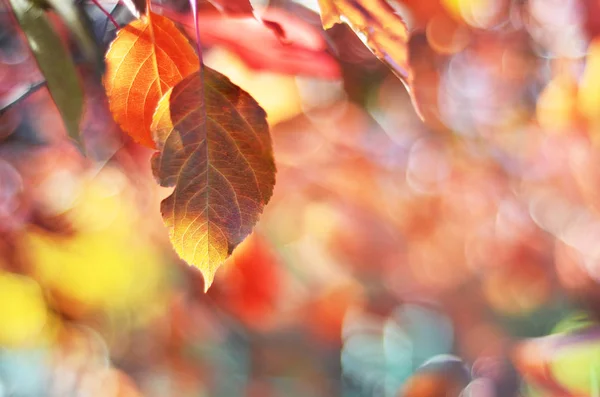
377, 24
216, 150
134, 81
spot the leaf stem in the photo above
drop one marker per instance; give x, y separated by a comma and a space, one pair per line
194, 6
108, 14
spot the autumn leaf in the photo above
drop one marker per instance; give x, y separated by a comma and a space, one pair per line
377, 24
148, 56
386, 35
215, 148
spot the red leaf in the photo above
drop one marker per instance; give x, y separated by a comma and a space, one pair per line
233, 6
250, 286
304, 51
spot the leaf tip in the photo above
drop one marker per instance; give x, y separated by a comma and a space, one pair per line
209, 277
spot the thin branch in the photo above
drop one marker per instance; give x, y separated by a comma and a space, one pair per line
108, 14
4, 107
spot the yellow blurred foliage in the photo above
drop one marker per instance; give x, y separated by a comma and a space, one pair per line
565, 101
589, 86
276, 93
577, 369
474, 12
557, 104
107, 263
23, 312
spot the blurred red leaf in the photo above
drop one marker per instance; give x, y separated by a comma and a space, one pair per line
233, 6
592, 17
326, 312
250, 286
243, 8
303, 52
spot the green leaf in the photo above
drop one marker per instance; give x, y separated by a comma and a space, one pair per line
55, 63
74, 18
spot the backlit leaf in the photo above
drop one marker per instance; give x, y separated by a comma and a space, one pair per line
386, 35
215, 148
377, 24
54, 61
134, 81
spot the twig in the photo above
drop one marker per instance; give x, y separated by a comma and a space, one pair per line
4, 107
108, 14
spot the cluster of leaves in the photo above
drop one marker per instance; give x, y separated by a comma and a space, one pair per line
212, 138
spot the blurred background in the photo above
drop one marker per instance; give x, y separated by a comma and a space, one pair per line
457, 255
